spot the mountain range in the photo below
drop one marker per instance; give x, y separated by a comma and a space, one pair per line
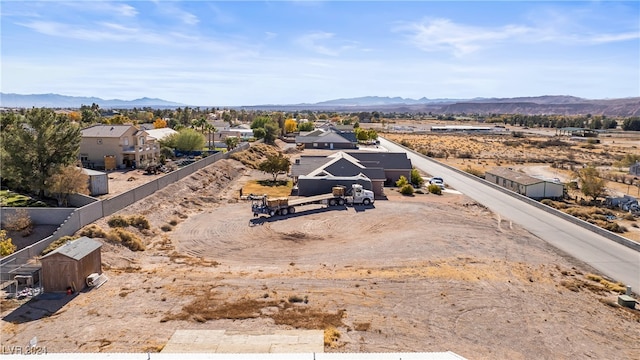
538, 105
64, 101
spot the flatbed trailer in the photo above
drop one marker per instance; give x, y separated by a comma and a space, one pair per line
285, 206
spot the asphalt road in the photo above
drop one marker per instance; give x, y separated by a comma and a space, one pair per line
610, 258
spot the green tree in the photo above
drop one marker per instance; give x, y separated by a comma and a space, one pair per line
259, 122
416, 179
259, 133
33, 149
631, 124
591, 184
271, 132
274, 165
231, 142
305, 126
189, 140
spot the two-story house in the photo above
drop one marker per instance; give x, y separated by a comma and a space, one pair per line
117, 146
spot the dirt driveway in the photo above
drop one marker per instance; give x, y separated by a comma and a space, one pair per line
425, 273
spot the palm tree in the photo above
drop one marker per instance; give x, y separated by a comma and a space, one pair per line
210, 130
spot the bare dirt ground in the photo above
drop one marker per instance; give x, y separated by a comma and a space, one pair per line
422, 273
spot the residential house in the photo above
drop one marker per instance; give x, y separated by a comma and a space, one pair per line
378, 168
330, 139
117, 146
524, 184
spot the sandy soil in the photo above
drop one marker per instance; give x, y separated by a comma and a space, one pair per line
422, 273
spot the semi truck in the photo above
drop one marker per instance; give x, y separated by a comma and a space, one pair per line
337, 197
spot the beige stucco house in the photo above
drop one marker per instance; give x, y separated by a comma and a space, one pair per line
117, 146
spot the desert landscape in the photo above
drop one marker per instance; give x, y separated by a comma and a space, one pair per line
420, 273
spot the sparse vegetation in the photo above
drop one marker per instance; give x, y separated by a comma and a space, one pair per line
19, 221
434, 189
93, 231
6, 244
126, 238
137, 221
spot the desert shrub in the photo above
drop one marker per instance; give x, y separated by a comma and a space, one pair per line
6, 244
126, 238
517, 134
139, 222
166, 227
173, 222
118, 221
295, 299
435, 189
406, 189
331, 336
405, 143
614, 227
402, 181
19, 221
56, 244
465, 155
474, 171
588, 146
547, 202
93, 231
629, 216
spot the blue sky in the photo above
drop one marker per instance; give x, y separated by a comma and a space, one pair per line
233, 53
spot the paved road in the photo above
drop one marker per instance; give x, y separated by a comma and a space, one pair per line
612, 259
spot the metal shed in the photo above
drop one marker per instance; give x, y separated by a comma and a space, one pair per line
70, 264
98, 182
526, 185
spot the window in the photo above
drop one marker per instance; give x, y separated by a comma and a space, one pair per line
126, 141
84, 157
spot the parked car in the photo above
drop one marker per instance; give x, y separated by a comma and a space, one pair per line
437, 181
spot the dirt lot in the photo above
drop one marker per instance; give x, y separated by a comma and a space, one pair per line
422, 273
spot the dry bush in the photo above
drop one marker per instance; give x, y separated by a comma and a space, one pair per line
118, 221
126, 238
93, 231
362, 326
140, 222
19, 221
331, 336
166, 227
253, 156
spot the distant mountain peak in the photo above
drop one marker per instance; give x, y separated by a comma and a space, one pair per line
11, 100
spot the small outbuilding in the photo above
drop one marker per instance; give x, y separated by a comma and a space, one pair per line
69, 265
524, 184
98, 182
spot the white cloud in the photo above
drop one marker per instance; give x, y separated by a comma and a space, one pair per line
445, 35
436, 35
313, 42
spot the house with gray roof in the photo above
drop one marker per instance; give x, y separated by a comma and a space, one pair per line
379, 168
319, 139
521, 183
